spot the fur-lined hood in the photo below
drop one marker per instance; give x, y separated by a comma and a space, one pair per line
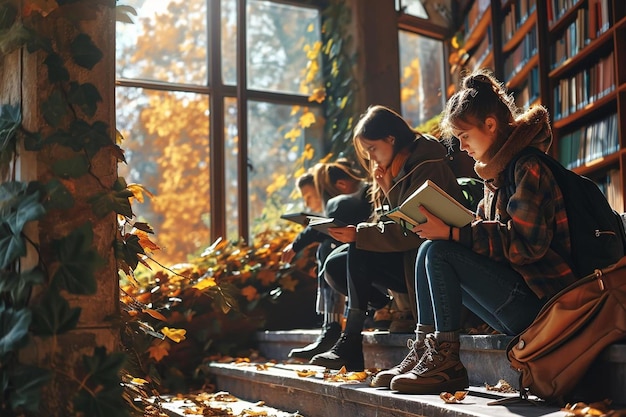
532, 128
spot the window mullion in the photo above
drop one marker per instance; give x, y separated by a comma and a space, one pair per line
242, 121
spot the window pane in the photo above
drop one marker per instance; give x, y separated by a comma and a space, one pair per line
277, 35
414, 8
167, 42
229, 42
276, 145
167, 148
421, 77
231, 153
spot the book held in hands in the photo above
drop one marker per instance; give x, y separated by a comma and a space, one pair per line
436, 201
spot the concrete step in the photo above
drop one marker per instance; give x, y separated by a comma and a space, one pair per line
280, 386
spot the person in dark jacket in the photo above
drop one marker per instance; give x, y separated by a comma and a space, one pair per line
381, 252
505, 264
343, 194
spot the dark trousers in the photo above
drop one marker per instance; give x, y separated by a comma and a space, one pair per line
360, 275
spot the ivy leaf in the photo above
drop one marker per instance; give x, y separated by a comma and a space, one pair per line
71, 168
58, 196
91, 137
85, 52
16, 210
13, 329
129, 250
53, 315
78, 262
85, 96
33, 141
54, 109
123, 12
19, 285
56, 68
8, 15
104, 403
103, 368
64, 138
27, 382
10, 120
116, 201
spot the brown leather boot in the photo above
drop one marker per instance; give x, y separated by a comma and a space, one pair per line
383, 378
439, 369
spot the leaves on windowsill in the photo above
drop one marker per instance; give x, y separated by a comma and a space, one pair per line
595, 409
455, 398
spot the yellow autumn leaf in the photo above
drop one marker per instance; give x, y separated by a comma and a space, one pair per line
294, 110
177, 335
138, 191
308, 152
293, 134
306, 120
138, 381
205, 283
318, 95
305, 373
159, 350
250, 293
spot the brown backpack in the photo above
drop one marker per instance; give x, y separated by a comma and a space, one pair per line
570, 331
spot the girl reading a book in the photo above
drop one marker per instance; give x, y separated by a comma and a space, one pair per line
381, 252
342, 193
506, 263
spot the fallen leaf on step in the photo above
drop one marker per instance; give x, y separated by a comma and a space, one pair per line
455, 398
600, 408
501, 386
305, 373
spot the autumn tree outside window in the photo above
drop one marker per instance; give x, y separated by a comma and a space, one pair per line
216, 136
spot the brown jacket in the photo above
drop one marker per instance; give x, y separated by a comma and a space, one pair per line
427, 161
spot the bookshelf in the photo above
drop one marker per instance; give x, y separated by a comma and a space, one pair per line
570, 56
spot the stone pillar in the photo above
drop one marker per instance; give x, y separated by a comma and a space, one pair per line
24, 81
376, 41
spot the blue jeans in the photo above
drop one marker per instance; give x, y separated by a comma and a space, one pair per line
448, 275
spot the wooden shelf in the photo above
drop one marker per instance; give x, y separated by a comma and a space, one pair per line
520, 32
479, 31
522, 74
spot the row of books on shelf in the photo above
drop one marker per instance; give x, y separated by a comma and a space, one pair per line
482, 50
575, 37
585, 87
600, 10
526, 49
515, 17
589, 143
611, 186
529, 91
474, 15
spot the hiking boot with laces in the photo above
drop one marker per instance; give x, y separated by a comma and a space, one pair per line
330, 334
439, 369
383, 378
348, 352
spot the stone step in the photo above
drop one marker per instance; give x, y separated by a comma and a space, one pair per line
280, 386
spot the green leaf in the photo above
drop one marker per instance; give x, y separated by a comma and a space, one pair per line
71, 168
103, 368
78, 262
19, 285
57, 196
53, 315
13, 329
103, 403
10, 121
17, 208
116, 201
27, 382
8, 15
54, 109
130, 249
85, 52
56, 68
64, 138
85, 96
33, 141
92, 137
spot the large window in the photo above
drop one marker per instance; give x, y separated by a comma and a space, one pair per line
216, 137
421, 77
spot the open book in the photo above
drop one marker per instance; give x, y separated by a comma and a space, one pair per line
435, 200
322, 224
302, 218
